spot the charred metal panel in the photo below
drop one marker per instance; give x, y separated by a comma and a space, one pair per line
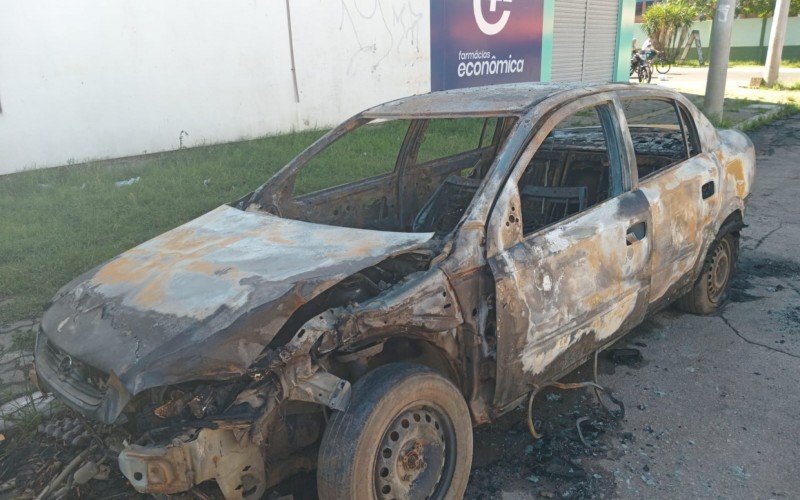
224, 455
424, 304
579, 283
682, 221
491, 101
367, 204
738, 157
161, 312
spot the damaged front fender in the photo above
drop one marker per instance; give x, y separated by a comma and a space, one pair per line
425, 304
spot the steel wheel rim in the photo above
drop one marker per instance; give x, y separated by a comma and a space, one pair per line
720, 271
416, 456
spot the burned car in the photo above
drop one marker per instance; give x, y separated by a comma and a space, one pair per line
419, 270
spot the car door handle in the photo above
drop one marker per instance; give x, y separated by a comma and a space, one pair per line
708, 190
636, 232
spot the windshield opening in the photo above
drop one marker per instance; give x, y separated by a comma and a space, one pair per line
405, 175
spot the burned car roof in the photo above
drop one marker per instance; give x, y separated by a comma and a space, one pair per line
497, 99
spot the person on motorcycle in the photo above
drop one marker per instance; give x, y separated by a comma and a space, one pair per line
648, 50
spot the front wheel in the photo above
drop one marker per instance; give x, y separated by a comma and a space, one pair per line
645, 74
407, 433
711, 288
663, 66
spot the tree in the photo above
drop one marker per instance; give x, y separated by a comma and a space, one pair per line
668, 25
764, 8
745, 8
705, 8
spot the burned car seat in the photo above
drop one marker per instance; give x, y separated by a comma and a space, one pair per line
542, 206
447, 205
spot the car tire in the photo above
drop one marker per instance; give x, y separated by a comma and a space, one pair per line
407, 433
711, 288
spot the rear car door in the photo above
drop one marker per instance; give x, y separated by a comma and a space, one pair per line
680, 183
569, 248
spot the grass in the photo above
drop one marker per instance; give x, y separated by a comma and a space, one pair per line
782, 86
23, 341
786, 110
58, 223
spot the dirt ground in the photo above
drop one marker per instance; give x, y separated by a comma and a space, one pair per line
711, 405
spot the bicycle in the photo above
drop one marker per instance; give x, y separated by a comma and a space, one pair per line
661, 64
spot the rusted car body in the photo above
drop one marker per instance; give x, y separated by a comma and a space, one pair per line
219, 348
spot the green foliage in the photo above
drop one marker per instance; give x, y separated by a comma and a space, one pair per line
744, 8
668, 25
764, 8
784, 86
705, 8
23, 341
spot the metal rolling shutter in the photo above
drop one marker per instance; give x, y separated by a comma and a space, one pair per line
568, 39
600, 49
585, 40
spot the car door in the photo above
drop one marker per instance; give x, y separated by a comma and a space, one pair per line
680, 183
569, 249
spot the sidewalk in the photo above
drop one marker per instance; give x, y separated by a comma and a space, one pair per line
693, 81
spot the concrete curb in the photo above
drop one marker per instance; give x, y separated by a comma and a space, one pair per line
778, 109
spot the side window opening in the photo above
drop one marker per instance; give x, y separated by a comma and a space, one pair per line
573, 170
658, 134
450, 137
367, 152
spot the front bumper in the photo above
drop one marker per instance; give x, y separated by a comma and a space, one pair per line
57, 372
225, 455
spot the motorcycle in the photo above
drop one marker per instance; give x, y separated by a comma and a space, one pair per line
640, 67
658, 61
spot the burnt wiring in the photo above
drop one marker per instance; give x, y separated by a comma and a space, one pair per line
572, 386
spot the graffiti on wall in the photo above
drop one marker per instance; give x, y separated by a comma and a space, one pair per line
397, 23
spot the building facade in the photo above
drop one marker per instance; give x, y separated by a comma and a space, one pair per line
87, 80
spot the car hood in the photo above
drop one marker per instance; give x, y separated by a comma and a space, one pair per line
203, 300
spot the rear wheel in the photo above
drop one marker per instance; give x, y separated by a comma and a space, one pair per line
711, 288
407, 433
662, 66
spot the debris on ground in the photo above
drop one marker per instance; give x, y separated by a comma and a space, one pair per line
562, 464
36, 465
13, 411
627, 356
128, 182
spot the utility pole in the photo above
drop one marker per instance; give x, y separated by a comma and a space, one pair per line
776, 39
720, 53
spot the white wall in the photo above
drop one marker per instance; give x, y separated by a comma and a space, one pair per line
87, 79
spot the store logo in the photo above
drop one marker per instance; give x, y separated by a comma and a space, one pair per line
485, 26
